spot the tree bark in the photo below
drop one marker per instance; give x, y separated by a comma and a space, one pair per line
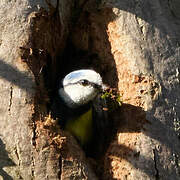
134, 44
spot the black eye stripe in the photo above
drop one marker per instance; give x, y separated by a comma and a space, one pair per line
85, 82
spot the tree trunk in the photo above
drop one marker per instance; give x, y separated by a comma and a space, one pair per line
133, 44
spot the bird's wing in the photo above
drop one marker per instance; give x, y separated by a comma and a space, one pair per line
101, 125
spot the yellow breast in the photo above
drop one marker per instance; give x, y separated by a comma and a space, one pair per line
81, 127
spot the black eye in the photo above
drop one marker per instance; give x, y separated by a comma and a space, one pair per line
84, 82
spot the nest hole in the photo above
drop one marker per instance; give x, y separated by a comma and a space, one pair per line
87, 47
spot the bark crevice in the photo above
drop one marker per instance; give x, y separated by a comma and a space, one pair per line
156, 164
10, 99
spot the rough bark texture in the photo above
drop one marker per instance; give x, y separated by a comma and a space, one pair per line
134, 44
145, 46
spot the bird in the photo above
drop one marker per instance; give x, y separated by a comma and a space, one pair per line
80, 110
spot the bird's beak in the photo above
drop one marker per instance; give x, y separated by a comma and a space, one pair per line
104, 87
101, 88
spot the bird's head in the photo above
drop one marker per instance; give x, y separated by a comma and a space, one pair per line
80, 87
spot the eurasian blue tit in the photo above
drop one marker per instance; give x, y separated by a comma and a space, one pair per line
80, 107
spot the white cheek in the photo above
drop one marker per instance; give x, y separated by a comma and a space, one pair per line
73, 93
79, 94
